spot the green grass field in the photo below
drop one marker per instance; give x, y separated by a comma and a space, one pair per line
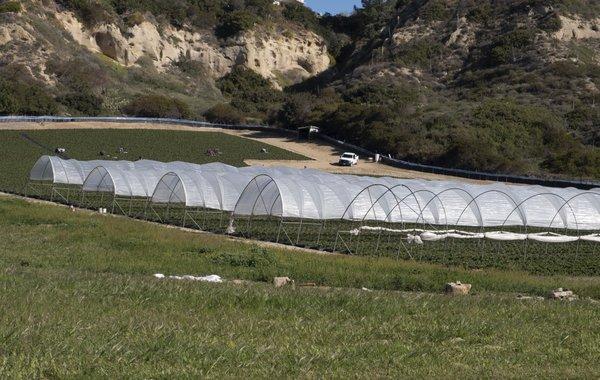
78, 299
17, 155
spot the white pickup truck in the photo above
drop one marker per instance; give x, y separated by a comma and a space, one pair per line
348, 159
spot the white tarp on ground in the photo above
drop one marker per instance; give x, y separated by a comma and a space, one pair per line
312, 194
187, 277
439, 235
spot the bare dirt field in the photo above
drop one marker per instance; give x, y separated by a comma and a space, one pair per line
322, 156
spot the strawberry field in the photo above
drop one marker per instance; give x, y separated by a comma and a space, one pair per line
18, 154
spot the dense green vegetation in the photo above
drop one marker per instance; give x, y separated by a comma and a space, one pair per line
158, 106
80, 300
10, 7
18, 155
492, 104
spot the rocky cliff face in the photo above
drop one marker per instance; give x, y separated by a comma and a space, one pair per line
280, 54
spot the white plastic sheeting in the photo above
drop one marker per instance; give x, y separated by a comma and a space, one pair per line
69, 172
312, 194
201, 188
120, 182
327, 196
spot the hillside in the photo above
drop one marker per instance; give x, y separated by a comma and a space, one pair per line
506, 86
99, 57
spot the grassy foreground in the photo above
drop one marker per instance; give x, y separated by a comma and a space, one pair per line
18, 155
78, 299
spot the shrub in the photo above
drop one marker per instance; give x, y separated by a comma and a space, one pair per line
91, 12
136, 18
420, 53
248, 91
576, 161
85, 103
79, 74
296, 111
18, 97
157, 106
434, 11
192, 67
236, 22
481, 13
510, 46
300, 14
256, 257
10, 7
550, 23
224, 113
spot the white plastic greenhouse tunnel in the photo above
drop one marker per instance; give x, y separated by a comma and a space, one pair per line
201, 194
328, 211
58, 176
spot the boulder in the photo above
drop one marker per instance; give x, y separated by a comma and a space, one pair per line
457, 288
111, 43
280, 282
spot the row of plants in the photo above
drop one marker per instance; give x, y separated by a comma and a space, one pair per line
18, 155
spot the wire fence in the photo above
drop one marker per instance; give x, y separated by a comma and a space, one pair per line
470, 174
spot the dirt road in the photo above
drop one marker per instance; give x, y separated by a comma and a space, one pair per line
322, 155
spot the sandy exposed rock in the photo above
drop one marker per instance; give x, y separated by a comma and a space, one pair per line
463, 35
111, 42
76, 30
294, 58
271, 54
407, 34
14, 32
577, 29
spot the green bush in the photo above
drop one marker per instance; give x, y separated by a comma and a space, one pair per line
256, 257
91, 12
85, 103
296, 111
421, 53
225, 114
18, 97
551, 23
300, 14
434, 11
157, 106
510, 47
10, 7
249, 92
575, 162
482, 13
236, 22
192, 67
